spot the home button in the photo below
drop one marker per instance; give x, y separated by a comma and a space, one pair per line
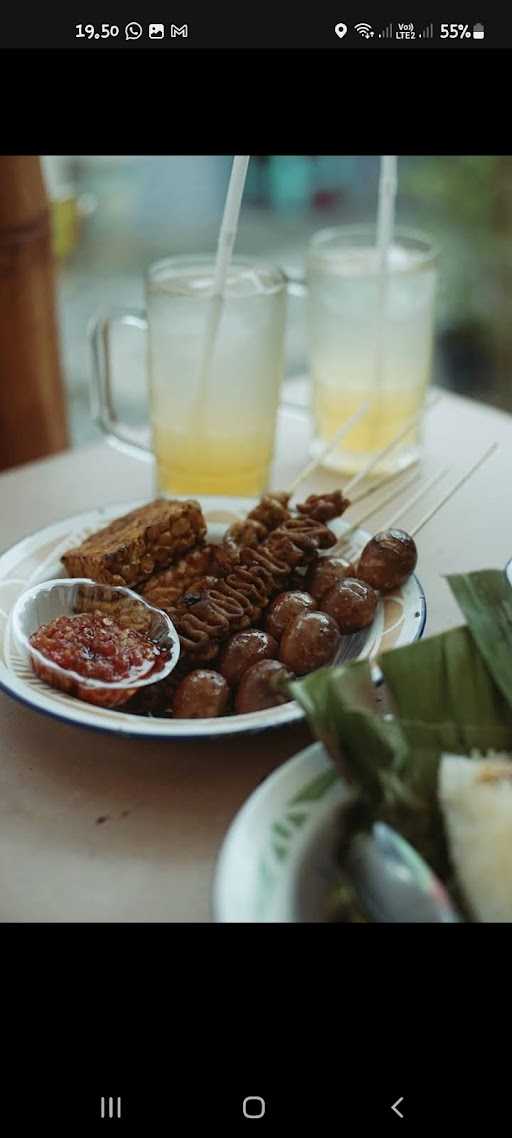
253, 1107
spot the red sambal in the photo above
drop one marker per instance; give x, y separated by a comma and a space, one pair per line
95, 647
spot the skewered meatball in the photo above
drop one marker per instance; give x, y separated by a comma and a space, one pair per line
259, 687
202, 694
243, 650
156, 699
309, 642
351, 604
388, 560
324, 573
284, 608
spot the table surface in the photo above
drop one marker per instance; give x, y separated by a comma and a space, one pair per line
96, 828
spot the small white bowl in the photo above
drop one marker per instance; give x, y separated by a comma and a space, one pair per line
67, 597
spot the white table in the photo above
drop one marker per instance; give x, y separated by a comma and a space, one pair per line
95, 828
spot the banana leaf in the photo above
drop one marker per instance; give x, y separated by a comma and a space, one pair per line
439, 695
486, 601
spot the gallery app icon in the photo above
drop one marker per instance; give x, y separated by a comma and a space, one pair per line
156, 31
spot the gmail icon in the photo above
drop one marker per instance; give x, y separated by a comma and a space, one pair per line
175, 31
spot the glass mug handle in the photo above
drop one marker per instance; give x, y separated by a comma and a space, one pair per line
102, 398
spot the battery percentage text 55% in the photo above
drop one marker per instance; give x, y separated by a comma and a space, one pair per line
455, 32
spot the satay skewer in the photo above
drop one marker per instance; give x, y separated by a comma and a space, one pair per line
273, 510
389, 558
343, 430
389, 446
275, 504
382, 483
453, 489
406, 506
389, 498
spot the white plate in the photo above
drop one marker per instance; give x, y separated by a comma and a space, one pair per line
400, 619
278, 860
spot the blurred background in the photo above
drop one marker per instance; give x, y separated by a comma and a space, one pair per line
114, 215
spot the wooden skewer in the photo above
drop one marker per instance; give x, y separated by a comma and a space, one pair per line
340, 434
389, 446
406, 506
460, 482
364, 517
389, 498
380, 485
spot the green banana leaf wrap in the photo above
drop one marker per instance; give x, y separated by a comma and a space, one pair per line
447, 693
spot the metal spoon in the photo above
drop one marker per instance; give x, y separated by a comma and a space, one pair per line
395, 884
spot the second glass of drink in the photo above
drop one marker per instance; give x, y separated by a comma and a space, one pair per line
370, 341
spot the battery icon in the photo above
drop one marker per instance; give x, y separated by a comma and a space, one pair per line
478, 32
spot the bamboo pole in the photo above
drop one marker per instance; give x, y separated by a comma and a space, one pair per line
32, 399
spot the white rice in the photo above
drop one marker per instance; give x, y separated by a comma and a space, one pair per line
476, 799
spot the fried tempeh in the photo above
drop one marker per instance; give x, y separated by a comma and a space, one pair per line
129, 549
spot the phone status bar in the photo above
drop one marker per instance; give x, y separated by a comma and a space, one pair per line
409, 32
183, 32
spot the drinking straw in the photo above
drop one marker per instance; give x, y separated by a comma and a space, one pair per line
386, 208
226, 241
385, 229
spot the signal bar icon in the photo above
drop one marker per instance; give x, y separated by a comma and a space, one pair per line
427, 32
386, 33
113, 1112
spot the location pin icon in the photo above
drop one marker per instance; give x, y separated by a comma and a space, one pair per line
341, 30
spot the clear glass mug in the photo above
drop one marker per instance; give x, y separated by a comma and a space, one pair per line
212, 435
369, 343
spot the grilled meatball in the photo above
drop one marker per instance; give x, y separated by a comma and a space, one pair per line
243, 650
351, 603
203, 694
258, 688
388, 560
310, 641
324, 573
284, 608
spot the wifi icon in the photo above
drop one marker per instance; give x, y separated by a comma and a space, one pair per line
364, 30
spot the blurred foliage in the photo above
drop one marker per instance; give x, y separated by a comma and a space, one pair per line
460, 188
467, 204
